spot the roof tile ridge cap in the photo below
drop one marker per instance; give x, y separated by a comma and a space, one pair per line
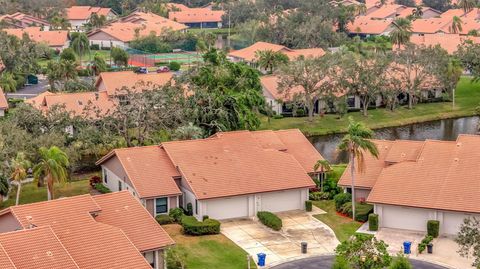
181, 173
8, 256
63, 246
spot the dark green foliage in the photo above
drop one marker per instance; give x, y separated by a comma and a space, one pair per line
3, 186
400, 262
189, 209
341, 263
363, 251
361, 211
174, 66
176, 214
102, 188
94, 47
84, 72
164, 219
205, 217
373, 222
433, 228
308, 206
425, 241
318, 195
151, 44
192, 226
119, 56
68, 54
340, 199
270, 220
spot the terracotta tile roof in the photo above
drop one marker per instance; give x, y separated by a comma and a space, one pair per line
233, 163
125, 29
149, 169
445, 176
114, 81
404, 150
430, 26
3, 100
249, 53
120, 209
366, 25
37, 248
449, 42
468, 24
57, 38
196, 15
270, 83
386, 11
75, 103
94, 231
23, 20
85, 12
452, 12
173, 6
5, 261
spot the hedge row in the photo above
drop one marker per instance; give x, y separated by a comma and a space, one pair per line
361, 211
101, 188
433, 228
270, 220
164, 219
192, 226
373, 222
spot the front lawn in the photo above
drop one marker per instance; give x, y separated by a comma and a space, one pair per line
208, 251
343, 227
467, 99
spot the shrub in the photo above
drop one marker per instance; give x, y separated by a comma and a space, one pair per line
340, 199
68, 54
361, 211
425, 241
400, 262
95, 47
433, 228
95, 180
318, 195
101, 188
373, 222
205, 217
164, 219
340, 263
300, 112
192, 226
270, 220
174, 66
189, 209
176, 214
84, 72
308, 206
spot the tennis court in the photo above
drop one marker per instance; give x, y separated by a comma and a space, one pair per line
181, 57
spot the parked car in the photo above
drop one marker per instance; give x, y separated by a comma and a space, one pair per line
163, 69
141, 70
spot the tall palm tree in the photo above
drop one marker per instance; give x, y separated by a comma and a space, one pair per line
402, 31
324, 166
52, 167
8, 82
453, 74
356, 142
269, 60
19, 167
417, 12
466, 5
456, 26
81, 45
97, 21
360, 9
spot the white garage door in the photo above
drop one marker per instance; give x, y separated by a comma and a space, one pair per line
405, 218
451, 222
281, 201
228, 208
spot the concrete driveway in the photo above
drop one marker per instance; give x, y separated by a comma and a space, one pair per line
284, 245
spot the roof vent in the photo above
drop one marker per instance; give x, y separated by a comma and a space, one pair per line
459, 144
49, 254
403, 155
456, 159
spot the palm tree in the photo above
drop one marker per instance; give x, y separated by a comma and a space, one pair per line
466, 5
188, 132
59, 23
324, 166
19, 167
456, 26
270, 60
355, 143
453, 74
81, 45
52, 167
360, 9
417, 12
402, 31
8, 82
97, 21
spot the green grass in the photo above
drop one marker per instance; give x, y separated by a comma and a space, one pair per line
343, 227
209, 251
220, 31
467, 99
31, 193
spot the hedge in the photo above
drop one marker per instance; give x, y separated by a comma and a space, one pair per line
433, 228
176, 214
164, 219
422, 245
101, 188
174, 66
270, 220
192, 226
340, 199
308, 206
373, 222
361, 211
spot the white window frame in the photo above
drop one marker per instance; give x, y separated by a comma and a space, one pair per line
155, 206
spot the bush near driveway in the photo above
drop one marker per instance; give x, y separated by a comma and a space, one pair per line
373, 222
340, 199
361, 211
433, 228
270, 220
164, 219
192, 226
308, 206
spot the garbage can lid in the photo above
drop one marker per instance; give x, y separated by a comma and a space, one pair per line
304, 243
261, 254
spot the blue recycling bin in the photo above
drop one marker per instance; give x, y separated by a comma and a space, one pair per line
407, 247
261, 259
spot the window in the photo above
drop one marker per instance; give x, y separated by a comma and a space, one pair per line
105, 179
161, 205
196, 207
119, 185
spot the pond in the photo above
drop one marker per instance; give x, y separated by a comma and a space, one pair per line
447, 129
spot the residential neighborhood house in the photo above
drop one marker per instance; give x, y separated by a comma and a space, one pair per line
78, 16
57, 39
228, 175
109, 231
412, 182
22, 20
198, 17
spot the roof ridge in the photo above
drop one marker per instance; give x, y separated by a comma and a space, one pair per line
49, 201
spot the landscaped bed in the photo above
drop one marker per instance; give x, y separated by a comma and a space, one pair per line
208, 251
342, 226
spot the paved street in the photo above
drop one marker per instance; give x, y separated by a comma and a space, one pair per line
325, 262
31, 90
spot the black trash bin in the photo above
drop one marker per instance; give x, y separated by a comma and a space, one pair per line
430, 248
304, 247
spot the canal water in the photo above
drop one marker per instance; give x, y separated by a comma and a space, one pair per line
447, 129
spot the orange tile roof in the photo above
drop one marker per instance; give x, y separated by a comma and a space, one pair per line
366, 25
37, 248
85, 12
386, 11
5, 261
23, 20
3, 100
468, 24
446, 176
270, 83
149, 169
404, 150
120, 209
94, 231
430, 26
196, 15
115, 81
57, 38
249, 53
449, 42
173, 6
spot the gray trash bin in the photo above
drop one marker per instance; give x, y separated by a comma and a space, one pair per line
304, 247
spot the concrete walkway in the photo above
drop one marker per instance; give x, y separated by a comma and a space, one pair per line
284, 245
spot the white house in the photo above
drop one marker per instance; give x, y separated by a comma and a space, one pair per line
78, 16
228, 175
